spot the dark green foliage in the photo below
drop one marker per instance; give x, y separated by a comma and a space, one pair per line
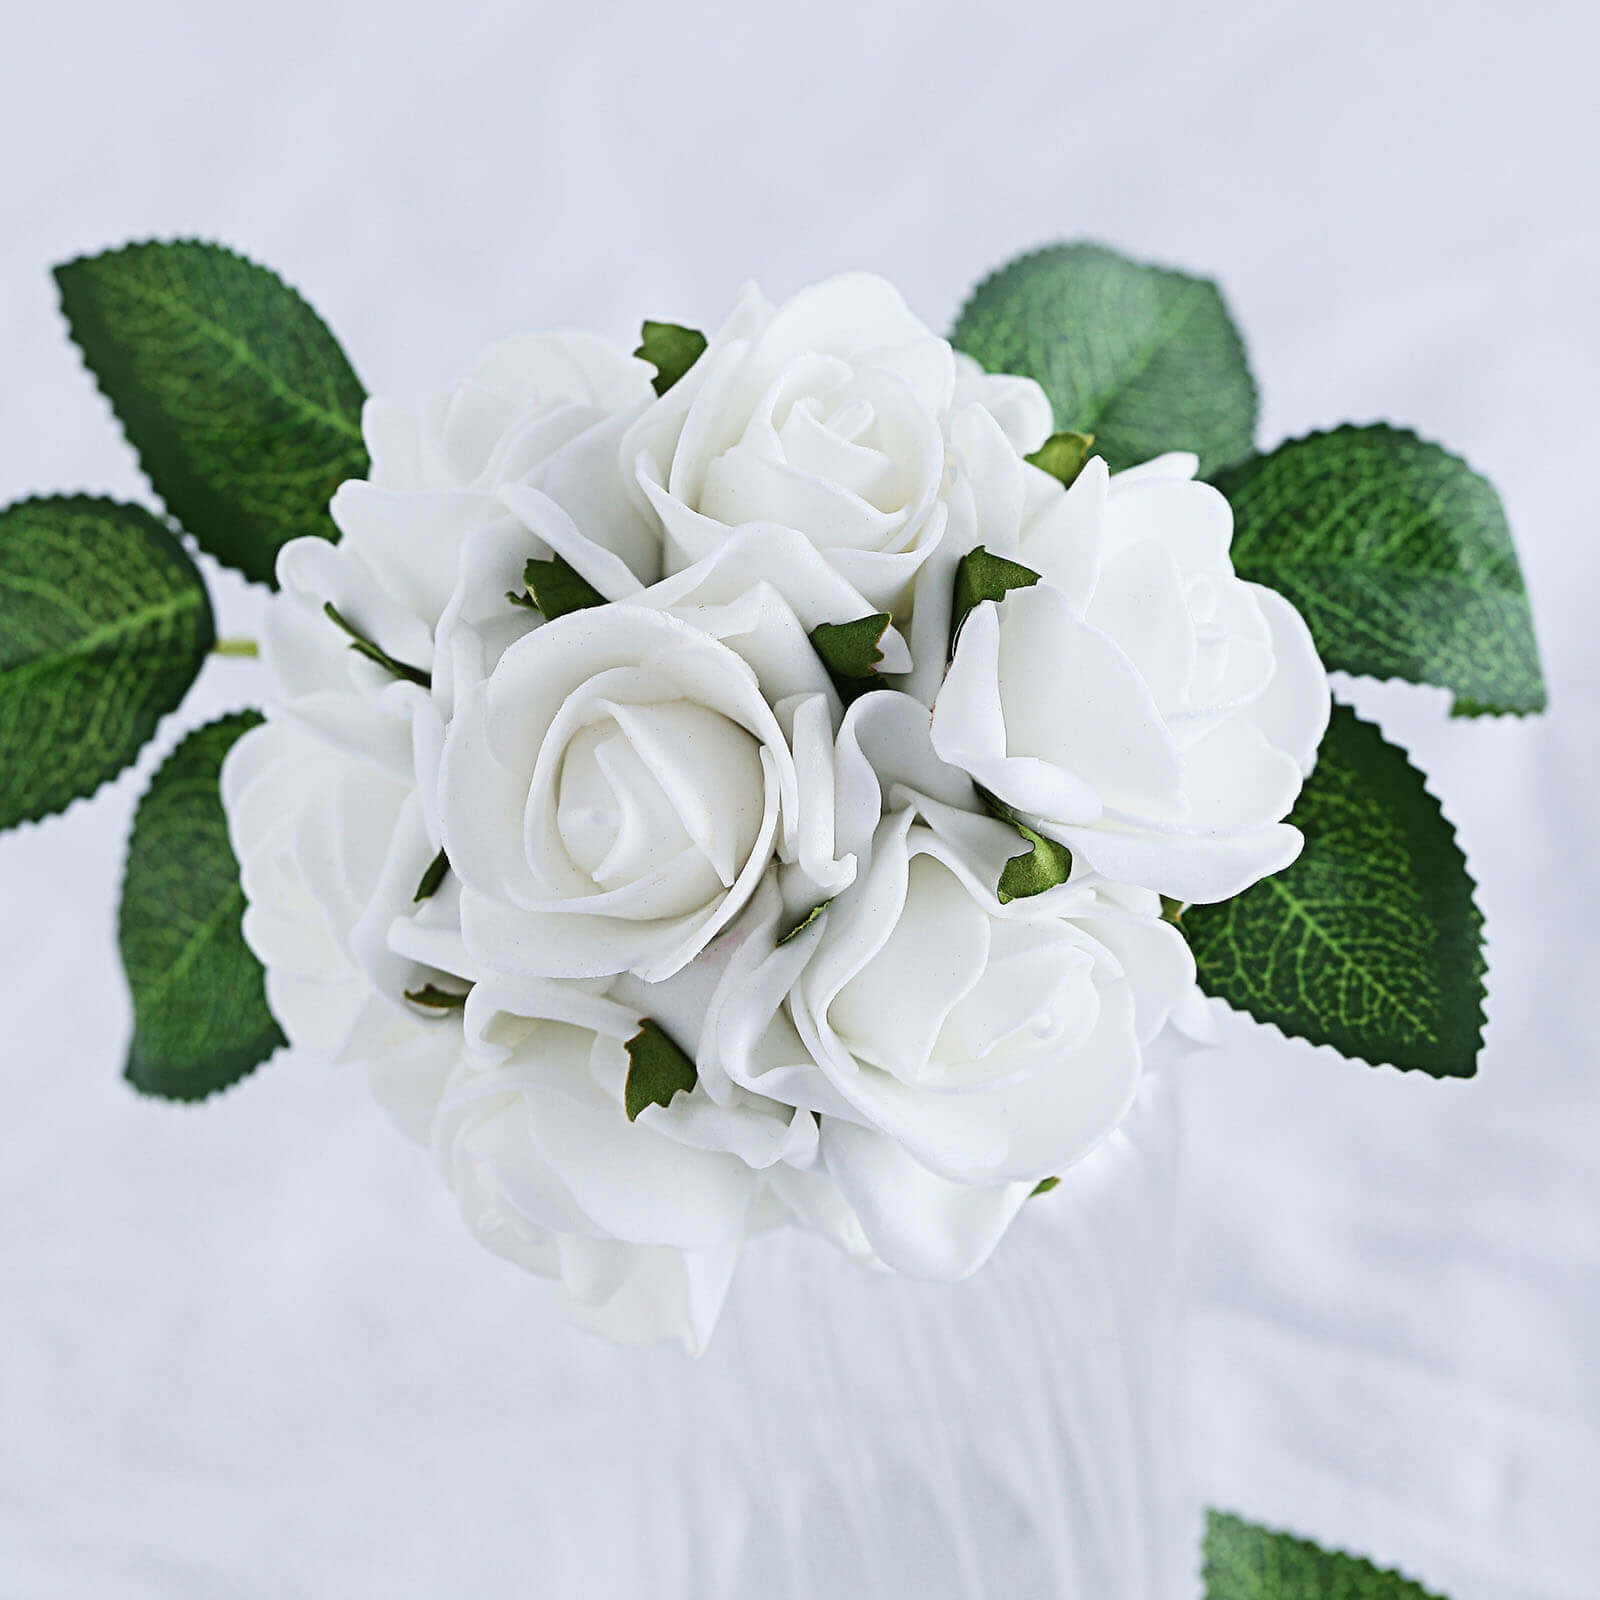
363, 646
243, 408
1398, 556
555, 588
1245, 1562
850, 650
1371, 941
200, 1017
104, 623
1146, 359
1064, 456
657, 1070
671, 350
981, 576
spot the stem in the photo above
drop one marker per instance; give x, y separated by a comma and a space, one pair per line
235, 647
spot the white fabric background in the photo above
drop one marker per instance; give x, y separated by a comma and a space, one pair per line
245, 1349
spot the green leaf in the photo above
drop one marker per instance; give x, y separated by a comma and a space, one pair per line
555, 588
1398, 556
671, 350
805, 921
432, 998
981, 576
849, 650
1246, 1562
1063, 456
200, 1017
1371, 941
1145, 359
1043, 865
363, 646
243, 408
104, 623
657, 1070
432, 877
1043, 1186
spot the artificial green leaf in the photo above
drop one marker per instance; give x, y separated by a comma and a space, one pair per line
364, 646
981, 576
850, 650
432, 998
104, 622
432, 877
657, 1070
1063, 456
555, 588
1371, 941
1146, 359
805, 921
243, 408
671, 350
1398, 556
1043, 865
1043, 1186
1246, 1562
200, 1017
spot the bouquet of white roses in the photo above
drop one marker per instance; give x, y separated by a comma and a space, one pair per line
760, 779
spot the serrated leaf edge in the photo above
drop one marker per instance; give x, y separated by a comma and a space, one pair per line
35, 818
269, 582
1415, 437
212, 1090
1480, 991
1137, 261
1214, 1513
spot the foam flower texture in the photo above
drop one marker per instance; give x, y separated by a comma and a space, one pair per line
1140, 704
826, 415
640, 1222
330, 848
610, 796
957, 1049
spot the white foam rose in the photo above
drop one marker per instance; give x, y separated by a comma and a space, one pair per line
957, 1049
330, 849
1141, 704
824, 415
539, 416
611, 794
640, 1223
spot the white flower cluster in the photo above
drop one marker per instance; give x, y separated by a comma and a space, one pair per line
579, 819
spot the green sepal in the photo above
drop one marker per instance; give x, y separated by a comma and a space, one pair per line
1146, 359
1398, 556
671, 349
1045, 864
1063, 456
1247, 1562
1371, 941
1043, 1186
1172, 910
244, 410
805, 921
363, 646
200, 1014
851, 651
555, 587
104, 625
981, 576
432, 998
432, 877
657, 1070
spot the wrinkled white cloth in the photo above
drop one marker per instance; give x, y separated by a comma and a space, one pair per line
1397, 1282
